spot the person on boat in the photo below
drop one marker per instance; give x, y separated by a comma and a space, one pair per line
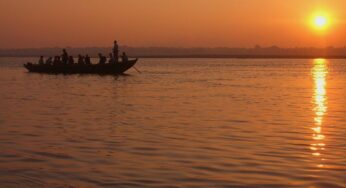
64, 56
41, 61
87, 60
70, 60
80, 60
57, 60
102, 60
124, 58
49, 61
116, 52
111, 58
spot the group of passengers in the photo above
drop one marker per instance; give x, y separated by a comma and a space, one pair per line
84, 60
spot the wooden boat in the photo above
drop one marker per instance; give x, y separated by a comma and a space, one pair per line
116, 68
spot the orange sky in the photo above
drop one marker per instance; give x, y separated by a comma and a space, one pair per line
174, 23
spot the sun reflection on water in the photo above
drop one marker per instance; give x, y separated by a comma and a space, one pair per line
319, 73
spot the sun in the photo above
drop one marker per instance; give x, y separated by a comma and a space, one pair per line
320, 22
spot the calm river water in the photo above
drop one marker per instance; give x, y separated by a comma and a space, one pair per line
180, 123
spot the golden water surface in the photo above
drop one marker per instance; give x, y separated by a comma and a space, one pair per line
179, 123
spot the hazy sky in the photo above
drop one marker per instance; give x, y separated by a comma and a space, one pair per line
175, 23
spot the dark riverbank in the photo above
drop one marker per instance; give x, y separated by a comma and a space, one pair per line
167, 52
218, 57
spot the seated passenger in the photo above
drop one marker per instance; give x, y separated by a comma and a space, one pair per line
70, 60
102, 59
111, 59
124, 58
41, 61
87, 60
57, 60
80, 60
49, 61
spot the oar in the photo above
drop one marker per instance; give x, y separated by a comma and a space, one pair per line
137, 69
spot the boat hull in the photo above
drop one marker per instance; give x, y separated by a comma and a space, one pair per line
117, 68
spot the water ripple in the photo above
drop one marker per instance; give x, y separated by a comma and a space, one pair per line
181, 123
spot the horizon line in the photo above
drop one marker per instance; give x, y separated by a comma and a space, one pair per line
176, 47
219, 56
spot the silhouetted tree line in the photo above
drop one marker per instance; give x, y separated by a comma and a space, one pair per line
256, 51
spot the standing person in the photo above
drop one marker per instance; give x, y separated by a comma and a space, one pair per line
64, 56
116, 52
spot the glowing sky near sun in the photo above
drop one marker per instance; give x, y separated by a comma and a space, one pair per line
176, 23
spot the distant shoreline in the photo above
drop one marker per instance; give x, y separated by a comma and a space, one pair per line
243, 57
257, 52
213, 57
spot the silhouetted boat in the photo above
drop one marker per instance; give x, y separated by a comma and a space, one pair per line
117, 68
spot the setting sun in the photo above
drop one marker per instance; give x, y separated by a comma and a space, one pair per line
321, 21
